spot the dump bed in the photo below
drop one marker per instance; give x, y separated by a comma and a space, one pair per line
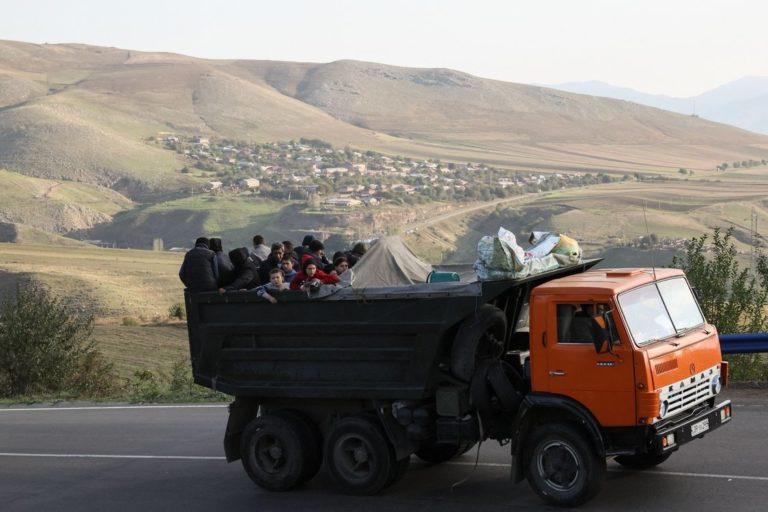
376, 343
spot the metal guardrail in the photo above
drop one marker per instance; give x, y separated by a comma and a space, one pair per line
750, 343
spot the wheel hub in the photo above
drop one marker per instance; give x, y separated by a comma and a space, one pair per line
360, 454
275, 452
559, 465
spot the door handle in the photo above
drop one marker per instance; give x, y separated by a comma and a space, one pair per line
557, 373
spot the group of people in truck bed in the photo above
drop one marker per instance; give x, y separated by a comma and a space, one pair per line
266, 270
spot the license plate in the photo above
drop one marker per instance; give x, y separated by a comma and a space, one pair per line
700, 427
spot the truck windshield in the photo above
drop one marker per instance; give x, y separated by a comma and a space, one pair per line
660, 310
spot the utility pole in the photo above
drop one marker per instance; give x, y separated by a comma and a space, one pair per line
753, 236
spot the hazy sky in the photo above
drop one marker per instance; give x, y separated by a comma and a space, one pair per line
676, 47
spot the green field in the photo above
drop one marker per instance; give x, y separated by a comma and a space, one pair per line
235, 219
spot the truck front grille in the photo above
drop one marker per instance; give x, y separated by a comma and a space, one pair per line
684, 394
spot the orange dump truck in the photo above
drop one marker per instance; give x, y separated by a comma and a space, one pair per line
571, 367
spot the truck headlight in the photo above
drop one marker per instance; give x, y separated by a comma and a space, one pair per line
663, 409
716, 386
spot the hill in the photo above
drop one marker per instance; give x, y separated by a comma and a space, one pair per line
742, 102
80, 112
56, 206
610, 220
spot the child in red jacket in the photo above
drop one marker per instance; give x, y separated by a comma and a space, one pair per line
311, 277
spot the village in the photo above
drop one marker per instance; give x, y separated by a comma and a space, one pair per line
333, 178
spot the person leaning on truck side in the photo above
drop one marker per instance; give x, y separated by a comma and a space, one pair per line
260, 249
246, 271
226, 268
200, 272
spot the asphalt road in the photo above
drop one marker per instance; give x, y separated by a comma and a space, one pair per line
170, 458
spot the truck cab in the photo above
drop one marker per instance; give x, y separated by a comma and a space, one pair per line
630, 354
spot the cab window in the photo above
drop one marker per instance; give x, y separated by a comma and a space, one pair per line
580, 323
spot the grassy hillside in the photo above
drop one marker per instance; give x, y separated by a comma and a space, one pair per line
179, 222
81, 112
107, 282
606, 216
56, 206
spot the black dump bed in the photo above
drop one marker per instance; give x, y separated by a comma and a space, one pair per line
376, 343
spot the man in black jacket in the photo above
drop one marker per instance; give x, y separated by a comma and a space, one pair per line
199, 272
246, 271
272, 261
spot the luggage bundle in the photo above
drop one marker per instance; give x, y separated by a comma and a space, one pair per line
501, 257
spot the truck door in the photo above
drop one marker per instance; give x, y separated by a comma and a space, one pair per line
604, 382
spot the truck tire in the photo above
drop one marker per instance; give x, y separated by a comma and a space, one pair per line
272, 450
311, 439
437, 453
359, 456
561, 465
645, 461
480, 337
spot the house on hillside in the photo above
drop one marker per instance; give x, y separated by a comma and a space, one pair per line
250, 183
213, 185
342, 202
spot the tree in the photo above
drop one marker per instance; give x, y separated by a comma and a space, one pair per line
731, 298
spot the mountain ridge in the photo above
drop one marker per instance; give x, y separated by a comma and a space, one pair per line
742, 102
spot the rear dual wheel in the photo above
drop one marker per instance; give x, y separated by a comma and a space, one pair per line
280, 450
360, 458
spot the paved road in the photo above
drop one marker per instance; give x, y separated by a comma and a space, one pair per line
170, 458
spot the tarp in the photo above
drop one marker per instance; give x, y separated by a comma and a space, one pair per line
389, 262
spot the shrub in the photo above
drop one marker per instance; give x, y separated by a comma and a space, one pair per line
46, 347
177, 311
129, 321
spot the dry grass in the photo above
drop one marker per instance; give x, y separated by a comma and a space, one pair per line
151, 347
107, 282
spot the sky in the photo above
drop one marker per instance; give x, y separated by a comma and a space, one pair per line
674, 47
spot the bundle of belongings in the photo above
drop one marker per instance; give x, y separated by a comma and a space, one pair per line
501, 257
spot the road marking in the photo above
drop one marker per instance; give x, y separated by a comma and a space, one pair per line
451, 463
112, 407
619, 470
103, 456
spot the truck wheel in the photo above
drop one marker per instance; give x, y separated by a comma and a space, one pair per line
311, 439
359, 456
562, 467
272, 448
645, 461
480, 337
437, 453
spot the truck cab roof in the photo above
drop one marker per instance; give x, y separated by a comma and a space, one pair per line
605, 281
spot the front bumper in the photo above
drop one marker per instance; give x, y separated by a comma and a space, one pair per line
690, 428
